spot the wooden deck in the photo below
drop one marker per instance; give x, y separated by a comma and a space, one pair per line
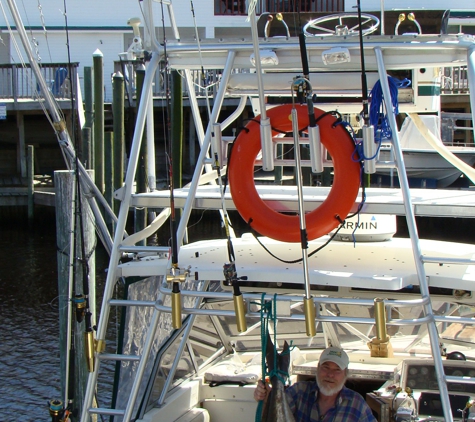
14, 190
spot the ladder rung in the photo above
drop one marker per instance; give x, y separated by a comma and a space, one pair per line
104, 411
112, 356
125, 302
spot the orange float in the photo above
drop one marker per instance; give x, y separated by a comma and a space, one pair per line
284, 227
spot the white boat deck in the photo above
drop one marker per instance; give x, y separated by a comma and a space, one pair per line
426, 202
345, 266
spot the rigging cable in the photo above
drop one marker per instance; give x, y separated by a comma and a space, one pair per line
34, 41
79, 213
203, 76
229, 269
26, 73
45, 31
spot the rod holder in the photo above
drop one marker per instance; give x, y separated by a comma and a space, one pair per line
316, 150
176, 307
370, 150
267, 145
309, 311
89, 346
380, 319
217, 146
240, 310
380, 345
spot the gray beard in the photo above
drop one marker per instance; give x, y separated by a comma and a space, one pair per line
329, 391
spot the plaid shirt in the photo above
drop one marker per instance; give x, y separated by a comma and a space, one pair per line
350, 405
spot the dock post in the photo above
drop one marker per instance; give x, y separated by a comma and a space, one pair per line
118, 99
109, 175
141, 176
99, 119
71, 283
21, 144
88, 97
31, 181
86, 149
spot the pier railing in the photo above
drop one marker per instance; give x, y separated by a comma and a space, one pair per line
18, 82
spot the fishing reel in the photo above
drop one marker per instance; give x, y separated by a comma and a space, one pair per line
231, 279
302, 89
79, 301
56, 410
177, 275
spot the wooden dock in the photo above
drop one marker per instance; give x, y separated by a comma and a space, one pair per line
14, 190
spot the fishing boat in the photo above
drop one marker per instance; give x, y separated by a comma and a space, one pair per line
194, 314
316, 264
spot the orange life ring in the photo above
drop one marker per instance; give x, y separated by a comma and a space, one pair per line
284, 227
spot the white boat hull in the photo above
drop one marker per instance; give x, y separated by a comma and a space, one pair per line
429, 165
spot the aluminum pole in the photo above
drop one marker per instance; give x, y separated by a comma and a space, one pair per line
412, 228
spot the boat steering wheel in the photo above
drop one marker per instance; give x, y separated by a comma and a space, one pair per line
341, 24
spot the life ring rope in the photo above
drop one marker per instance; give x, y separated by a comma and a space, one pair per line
265, 220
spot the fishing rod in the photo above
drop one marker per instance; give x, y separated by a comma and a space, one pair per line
84, 308
229, 269
315, 144
316, 159
369, 147
176, 276
309, 304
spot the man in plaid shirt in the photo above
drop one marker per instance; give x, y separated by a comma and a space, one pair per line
325, 399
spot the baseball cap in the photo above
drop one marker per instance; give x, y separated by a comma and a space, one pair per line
335, 355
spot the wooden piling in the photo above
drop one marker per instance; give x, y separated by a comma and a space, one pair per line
31, 181
118, 96
98, 119
86, 150
109, 174
66, 210
87, 146
21, 164
141, 175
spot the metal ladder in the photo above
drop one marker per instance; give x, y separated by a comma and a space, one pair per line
124, 194
442, 379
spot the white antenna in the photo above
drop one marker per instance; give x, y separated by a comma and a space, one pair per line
135, 23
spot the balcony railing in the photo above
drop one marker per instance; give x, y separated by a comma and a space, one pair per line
238, 7
454, 80
18, 82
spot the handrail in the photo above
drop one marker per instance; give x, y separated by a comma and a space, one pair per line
19, 81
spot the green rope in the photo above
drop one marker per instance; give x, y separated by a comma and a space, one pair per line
268, 313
